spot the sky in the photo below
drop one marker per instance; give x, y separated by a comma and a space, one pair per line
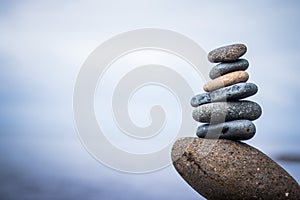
43, 45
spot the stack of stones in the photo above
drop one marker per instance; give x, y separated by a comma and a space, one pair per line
225, 115
226, 169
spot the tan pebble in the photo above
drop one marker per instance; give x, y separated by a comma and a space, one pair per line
226, 80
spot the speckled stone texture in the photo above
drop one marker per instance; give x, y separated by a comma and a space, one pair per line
233, 130
226, 80
227, 111
224, 68
233, 92
227, 53
225, 169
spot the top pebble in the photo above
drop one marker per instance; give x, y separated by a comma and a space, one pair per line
227, 53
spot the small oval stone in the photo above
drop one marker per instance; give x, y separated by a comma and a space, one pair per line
226, 80
227, 53
224, 68
227, 111
225, 169
232, 130
233, 92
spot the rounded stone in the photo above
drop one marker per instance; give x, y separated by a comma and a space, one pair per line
225, 169
226, 80
232, 130
229, 93
224, 68
227, 53
227, 111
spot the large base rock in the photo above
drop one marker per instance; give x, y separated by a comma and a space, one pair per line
224, 169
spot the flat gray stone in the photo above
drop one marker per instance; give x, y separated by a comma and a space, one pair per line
227, 53
229, 93
232, 130
227, 111
225, 169
224, 68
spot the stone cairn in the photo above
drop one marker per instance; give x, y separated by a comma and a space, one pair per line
215, 164
229, 117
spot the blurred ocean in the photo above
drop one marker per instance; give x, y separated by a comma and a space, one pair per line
45, 168
43, 45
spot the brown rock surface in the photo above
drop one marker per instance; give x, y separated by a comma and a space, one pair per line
226, 80
224, 169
